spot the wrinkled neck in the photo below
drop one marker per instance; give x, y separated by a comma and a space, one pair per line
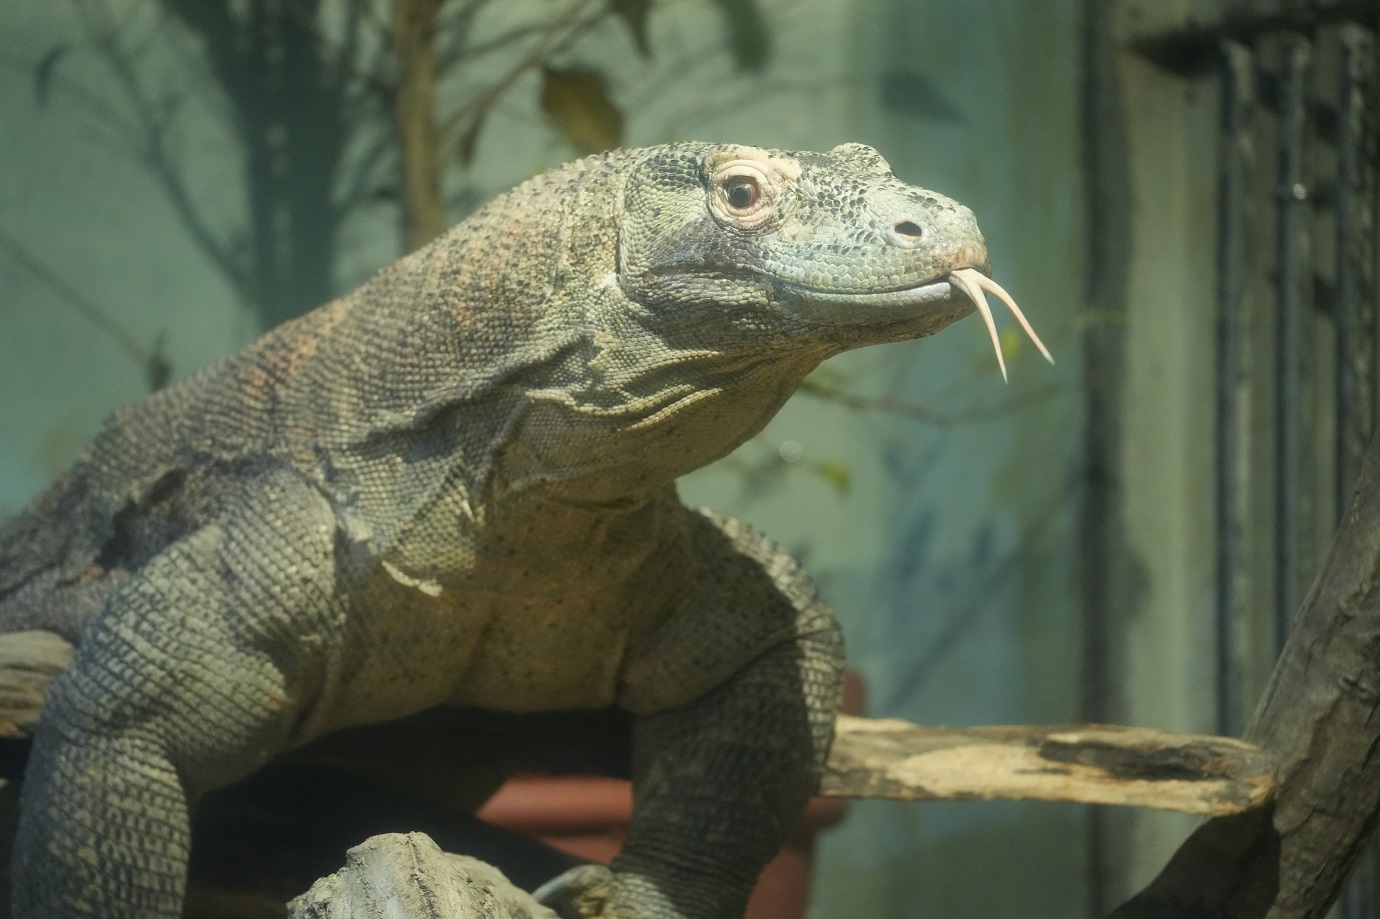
622, 439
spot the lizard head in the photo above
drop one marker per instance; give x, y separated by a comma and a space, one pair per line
811, 247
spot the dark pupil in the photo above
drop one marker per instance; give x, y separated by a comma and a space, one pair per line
741, 194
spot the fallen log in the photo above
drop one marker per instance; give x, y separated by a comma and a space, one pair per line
885, 758
1091, 764
29, 662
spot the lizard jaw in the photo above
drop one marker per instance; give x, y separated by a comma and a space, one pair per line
932, 299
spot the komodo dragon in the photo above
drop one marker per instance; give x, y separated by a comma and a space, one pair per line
457, 485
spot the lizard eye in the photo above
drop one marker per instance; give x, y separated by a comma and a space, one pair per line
746, 193
741, 193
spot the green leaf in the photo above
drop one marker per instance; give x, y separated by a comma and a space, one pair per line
1011, 342
823, 381
634, 15
577, 102
747, 33
836, 474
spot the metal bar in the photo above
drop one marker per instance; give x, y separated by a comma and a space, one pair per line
1355, 252
1292, 198
1236, 100
1106, 177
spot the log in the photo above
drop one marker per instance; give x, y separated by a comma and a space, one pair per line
29, 662
1093, 764
1318, 719
408, 875
397, 875
879, 758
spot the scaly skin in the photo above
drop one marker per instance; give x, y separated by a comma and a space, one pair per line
456, 485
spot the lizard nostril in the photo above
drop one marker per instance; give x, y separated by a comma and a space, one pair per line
909, 228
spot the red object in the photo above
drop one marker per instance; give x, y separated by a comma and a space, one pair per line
587, 816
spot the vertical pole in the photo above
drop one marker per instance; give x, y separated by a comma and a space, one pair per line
1354, 309
1232, 381
1292, 251
1106, 160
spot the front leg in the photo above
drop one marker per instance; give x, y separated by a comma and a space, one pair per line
720, 779
193, 676
719, 785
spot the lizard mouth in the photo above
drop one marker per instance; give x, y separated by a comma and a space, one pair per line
936, 297
976, 286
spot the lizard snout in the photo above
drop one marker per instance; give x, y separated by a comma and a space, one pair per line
969, 255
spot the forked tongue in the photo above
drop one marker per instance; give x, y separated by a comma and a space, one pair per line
977, 286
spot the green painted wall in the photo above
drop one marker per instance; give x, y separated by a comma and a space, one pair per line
942, 531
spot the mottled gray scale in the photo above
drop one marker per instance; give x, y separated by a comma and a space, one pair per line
456, 485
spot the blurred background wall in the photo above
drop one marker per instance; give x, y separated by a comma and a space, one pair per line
1044, 551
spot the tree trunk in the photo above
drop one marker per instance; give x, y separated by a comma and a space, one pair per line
1318, 719
288, 109
414, 110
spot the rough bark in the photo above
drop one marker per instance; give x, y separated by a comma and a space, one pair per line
870, 758
1094, 764
1318, 720
29, 662
408, 875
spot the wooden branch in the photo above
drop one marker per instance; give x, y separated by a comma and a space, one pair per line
149, 137
155, 366
553, 35
397, 875
1318, 719
414, 112
895, 759
29, 662
1093, 764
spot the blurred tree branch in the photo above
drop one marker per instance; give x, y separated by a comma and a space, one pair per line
157, 370
148, 135
306, 87
414, 113
461, 128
